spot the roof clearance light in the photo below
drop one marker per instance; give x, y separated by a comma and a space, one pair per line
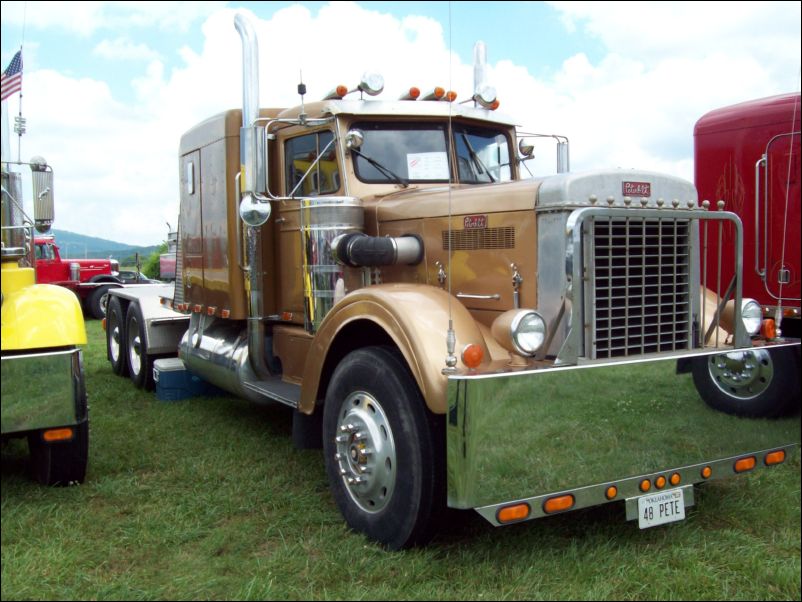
411, 95
450, 96
371, 84
434, 94
337, 93
485, 96
495, 105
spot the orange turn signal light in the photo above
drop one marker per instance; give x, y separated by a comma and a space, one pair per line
645, 485
768, 329
559, 503
52, 435
745, 464
675, 479
472, 355
707, 472
777, 457
611, 492
660, 482
512, 514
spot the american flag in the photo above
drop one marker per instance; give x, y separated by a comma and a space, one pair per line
12, 77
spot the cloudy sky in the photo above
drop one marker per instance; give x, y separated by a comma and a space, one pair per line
109, 87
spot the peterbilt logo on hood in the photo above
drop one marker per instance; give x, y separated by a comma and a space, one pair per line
641, 189
475, 222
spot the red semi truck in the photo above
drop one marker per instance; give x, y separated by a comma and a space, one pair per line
748, 155
90, 279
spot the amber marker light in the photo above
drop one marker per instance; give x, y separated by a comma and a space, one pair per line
745, 464
57, 435
450, 96
472, 355
776, 457
645, 485
675, 479
660, 482
513, 514
103, 324
560, 503
768, 329
611, 492
707, 472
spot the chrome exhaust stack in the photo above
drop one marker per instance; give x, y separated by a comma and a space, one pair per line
254, 207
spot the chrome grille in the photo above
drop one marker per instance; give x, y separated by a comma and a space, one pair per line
638, 300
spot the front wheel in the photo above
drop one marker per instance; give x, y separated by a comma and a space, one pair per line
757, 382
384, 451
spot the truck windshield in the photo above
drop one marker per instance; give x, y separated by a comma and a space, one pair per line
419, 153
483, 155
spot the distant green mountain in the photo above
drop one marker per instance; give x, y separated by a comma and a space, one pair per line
78, 246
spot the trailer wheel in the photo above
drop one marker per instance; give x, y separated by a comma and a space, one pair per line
384, 451
140, 364
95, 304
115, 337
754, 382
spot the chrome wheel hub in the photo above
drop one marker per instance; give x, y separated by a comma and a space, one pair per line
114, 343
365, 452
742, 374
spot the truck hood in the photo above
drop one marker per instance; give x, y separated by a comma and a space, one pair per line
465, 200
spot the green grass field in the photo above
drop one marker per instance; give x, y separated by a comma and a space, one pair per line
208, 499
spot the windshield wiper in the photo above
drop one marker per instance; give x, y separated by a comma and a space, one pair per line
385, 171
480, 167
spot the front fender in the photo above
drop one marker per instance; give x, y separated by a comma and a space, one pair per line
415, 317
40, 316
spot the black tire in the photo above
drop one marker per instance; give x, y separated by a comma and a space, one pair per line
757, 383
64, 462
140, 364
376, 428
115, 337
95, 304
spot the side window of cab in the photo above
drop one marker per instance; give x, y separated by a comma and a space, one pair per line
300, 154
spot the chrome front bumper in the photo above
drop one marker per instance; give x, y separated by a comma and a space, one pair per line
42, 390
531, 435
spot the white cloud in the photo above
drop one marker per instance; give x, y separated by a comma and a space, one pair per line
124, 49
635, 106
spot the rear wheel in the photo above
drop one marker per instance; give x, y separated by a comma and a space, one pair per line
757, 382
140, 364
115, 337
384, 451
96, 302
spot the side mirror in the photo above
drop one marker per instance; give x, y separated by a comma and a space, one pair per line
43, 203
526, 148
354, 139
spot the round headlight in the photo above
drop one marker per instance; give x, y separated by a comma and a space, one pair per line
751, 315
528, 331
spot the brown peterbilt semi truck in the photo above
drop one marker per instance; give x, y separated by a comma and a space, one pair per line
451, 333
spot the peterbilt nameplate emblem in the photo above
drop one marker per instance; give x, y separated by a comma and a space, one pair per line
475, 222
643, 189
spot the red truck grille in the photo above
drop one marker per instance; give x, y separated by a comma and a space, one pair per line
638, 300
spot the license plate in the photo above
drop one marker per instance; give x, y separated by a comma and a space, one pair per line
661, 508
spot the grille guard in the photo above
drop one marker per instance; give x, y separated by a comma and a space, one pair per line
576, 316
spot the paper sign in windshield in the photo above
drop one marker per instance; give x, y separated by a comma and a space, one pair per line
427, 166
